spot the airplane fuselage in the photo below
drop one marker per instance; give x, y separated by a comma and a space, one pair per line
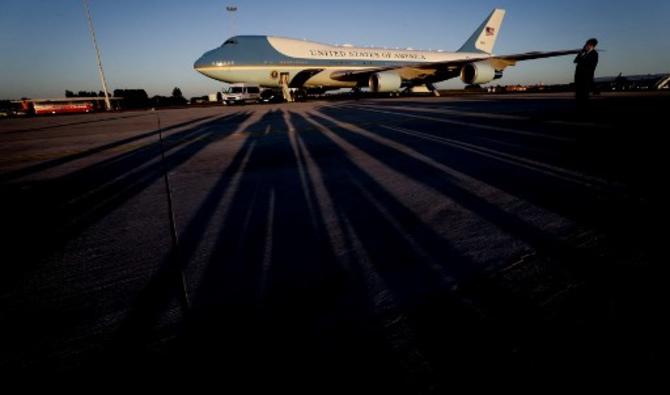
263, 59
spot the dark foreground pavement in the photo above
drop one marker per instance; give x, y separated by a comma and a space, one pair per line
375, 246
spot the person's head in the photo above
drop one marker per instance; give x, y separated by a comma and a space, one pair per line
591, 44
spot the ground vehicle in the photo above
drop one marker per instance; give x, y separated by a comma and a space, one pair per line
215, 97
271, 96
242, 94
62, 107
68, 105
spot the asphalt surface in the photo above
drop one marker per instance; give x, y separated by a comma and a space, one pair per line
382, 246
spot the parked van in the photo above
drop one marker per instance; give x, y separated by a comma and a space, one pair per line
242, 94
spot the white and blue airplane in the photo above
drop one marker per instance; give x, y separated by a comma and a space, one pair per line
278, 62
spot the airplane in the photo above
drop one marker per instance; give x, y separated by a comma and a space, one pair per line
278, 62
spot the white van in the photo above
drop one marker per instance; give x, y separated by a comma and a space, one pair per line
241, 94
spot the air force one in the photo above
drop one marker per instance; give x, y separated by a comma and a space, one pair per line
277, 62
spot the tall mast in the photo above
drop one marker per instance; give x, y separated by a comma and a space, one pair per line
103, 80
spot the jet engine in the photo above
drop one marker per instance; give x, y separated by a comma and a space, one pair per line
479, 73
385, 81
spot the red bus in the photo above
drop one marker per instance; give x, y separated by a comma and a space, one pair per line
70, 105
62, 107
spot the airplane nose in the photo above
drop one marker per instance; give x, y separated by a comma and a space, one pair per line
199, 63
205, 60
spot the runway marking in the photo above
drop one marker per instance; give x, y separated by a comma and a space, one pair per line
467, 124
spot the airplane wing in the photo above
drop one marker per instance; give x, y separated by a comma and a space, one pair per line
512, 59
447, 69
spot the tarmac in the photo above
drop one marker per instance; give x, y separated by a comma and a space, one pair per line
376, 245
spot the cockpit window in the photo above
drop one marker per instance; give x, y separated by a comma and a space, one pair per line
230, 42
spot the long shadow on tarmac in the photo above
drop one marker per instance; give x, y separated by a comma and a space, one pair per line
43, 217
51, 212
80, 155
609, 283
375, 311
87, 121
572, 197
320, 278
360, 294
278, 297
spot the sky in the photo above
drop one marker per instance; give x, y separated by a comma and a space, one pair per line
45, 46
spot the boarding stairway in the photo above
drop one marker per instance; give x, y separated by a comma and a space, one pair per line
285, 89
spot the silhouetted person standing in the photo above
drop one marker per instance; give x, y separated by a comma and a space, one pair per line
587, 61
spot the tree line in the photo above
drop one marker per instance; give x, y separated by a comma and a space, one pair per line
137, 98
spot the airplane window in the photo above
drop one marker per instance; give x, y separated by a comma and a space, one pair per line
230, 42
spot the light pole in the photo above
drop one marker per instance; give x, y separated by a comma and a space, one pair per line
103, 80
231, 11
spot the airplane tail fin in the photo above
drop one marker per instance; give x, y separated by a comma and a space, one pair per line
484, 38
